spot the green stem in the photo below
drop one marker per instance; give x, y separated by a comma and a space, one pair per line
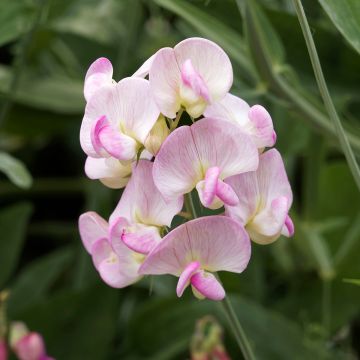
235, 325
237, 329
329, 105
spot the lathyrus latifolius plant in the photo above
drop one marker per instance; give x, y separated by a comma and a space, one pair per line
222, 155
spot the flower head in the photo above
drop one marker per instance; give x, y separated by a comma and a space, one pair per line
265, 198
195, 73
203, 155
198, 248
118, 120
255, 120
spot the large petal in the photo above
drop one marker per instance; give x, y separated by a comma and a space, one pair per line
226, 147
177, 167
210, 62
142, 201
216, 242
99, 74
164, 77
110, 171
92, 227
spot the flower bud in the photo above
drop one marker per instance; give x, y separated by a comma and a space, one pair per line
3, 350
157, 135
27, 345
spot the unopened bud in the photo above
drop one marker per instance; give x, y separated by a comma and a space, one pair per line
157, 135
3, 350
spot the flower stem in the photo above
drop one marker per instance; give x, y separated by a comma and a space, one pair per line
237, 329
231, 317
175, 123
329, 105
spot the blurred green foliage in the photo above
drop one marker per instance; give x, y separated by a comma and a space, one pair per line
292, 299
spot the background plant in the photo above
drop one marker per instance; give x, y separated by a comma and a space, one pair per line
293, 292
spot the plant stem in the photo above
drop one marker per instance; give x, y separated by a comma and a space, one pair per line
235, 325
175, 123
329, 105
237, 329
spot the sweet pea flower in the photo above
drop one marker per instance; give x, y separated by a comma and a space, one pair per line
195, 250
265, 198
27, 345
142, 212
118, 120
3, 350
192, 75
255, 120
203, 155
117, 268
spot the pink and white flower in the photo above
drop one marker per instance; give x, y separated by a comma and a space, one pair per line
192, 75
197, 249
142, 212
203, 155
255, 120
265, 198
118, 120
27, 345
117, 268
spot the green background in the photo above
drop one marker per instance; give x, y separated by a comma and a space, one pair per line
291, 300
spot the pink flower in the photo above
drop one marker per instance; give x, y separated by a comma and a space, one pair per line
3, 350
118, 120
142, 212
135, 227
27, 345
203, 155
195, 73
117, 269
265, 198
196, 249
255, 120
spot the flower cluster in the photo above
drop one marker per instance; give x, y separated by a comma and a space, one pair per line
131, 134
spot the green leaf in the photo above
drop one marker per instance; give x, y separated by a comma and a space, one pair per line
352, 281
13, 222
15, 19
35, 280
345, 15
15, 170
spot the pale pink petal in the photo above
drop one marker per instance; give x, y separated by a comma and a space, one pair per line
99, 74
142, 201
257, 190
191, 79
184, 279
269, 222
216, 242
92, 227
226, 194
207, 285
110, 171
207, 192
144, 69
101, 250
210, 62
230, 108
226, 147
188, 152
288, 228
263, 133
177, 167
164, 77
141, 238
